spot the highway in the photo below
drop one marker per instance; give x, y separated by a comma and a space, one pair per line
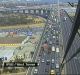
45, 57
51, 37
72, 67
47, 51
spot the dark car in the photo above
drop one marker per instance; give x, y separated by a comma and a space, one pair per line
47, 62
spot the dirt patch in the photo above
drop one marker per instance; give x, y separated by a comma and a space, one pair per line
11, 40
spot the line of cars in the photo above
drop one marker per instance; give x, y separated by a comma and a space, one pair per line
54, 65
47, 62
52, 41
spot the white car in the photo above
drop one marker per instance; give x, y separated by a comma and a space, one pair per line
38, 64
54, 36
55, 19
53, 48
65, 18
57, 65
49, 26
35, 71
52, 60
57, 49
42, 60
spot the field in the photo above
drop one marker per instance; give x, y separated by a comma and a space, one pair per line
11, 40
17, 19
23, 26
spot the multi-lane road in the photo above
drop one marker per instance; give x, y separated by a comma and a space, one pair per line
72, 67
52, 36
48, 59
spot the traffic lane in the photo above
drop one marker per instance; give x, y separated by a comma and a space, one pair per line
68, 67
71, 68
42, 65
77, 64
44, 69
41, 69
57, 62
67, 21
47, 66
65, 24
74, 68
48, 63
53, 57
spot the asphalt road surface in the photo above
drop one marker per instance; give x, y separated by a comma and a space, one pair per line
45, 67
73, 67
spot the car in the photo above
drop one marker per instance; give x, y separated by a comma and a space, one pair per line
53, 48
55, 19
57, 37
35, 71
52, 72
52, 60
38, 64
52, 29
39, 55
57, 49
65, 18
53, 66
50, 42
49, 26
47, 62
38, 58
57, 65
43, 61
46, 70
54, 36
57, 41
57, 32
